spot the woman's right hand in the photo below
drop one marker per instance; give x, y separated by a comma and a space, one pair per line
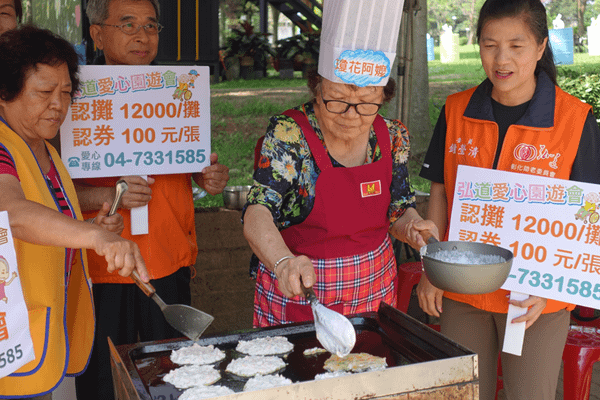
138, 192
289, 273
430, 297
120, 254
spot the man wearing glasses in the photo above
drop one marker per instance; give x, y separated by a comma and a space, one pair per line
127, 33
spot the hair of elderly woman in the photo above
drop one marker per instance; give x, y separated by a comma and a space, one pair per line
19, 9
25, 47
314, 84
533, 13
97, 10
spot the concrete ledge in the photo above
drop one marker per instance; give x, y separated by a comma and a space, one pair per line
222, 286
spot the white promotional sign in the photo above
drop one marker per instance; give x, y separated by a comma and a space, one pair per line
552, 227
16, 347
138, 120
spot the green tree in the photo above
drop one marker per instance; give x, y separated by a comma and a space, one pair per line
581, 6
576, 13
460, 14
592, 10
232, 9
63, 17
566, 8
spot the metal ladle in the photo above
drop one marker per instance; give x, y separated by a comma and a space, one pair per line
335, 332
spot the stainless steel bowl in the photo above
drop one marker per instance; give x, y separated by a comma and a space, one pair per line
243, 195
466, 278
234, 197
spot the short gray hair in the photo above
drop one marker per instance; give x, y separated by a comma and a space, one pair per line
97, 10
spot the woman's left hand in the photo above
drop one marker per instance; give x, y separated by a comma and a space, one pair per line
535, 307
413, 229
213, 178
114, 223
418, 231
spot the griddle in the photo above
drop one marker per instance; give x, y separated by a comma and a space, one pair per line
388, 333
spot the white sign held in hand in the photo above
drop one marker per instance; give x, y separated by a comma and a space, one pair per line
138, 120
16, 346
552, 226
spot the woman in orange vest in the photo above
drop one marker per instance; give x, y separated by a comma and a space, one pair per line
519, 103
38, 77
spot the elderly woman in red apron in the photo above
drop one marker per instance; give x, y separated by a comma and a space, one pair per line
331, 186
332, 182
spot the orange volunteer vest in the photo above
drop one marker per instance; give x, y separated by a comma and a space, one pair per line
61, 319
556, 146
171, 240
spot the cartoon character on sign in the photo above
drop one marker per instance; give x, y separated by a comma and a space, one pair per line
186, 81
4, 275
589, 208
193, 75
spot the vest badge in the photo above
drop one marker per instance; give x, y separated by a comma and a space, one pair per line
369, 189
528, 153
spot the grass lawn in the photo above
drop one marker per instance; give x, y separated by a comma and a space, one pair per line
240, 110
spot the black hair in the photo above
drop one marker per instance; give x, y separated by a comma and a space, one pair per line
533, 14
23, 48
19, 10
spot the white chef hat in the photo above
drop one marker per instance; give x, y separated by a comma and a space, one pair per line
358, 40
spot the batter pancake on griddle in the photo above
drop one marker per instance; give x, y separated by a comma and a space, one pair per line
260, 382
192, 375
196, 354
355, 362
266, 346
250, 366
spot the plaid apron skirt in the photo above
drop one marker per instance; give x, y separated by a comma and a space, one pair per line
349, 285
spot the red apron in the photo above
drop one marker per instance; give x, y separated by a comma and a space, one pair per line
345, 236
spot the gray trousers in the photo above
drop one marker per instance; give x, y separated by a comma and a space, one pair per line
531, 376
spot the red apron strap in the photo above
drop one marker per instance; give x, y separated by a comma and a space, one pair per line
316, 147
383, 136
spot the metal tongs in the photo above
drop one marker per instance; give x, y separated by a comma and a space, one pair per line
335, 332
121, 188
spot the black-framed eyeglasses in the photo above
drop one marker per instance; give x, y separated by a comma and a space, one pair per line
340, 107
131, 28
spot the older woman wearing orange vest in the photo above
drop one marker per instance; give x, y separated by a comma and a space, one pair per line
518, 103
38, 77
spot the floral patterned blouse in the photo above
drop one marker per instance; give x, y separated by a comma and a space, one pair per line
285, 179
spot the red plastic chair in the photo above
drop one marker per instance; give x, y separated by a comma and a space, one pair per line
584, 316
409, 275
581, 352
